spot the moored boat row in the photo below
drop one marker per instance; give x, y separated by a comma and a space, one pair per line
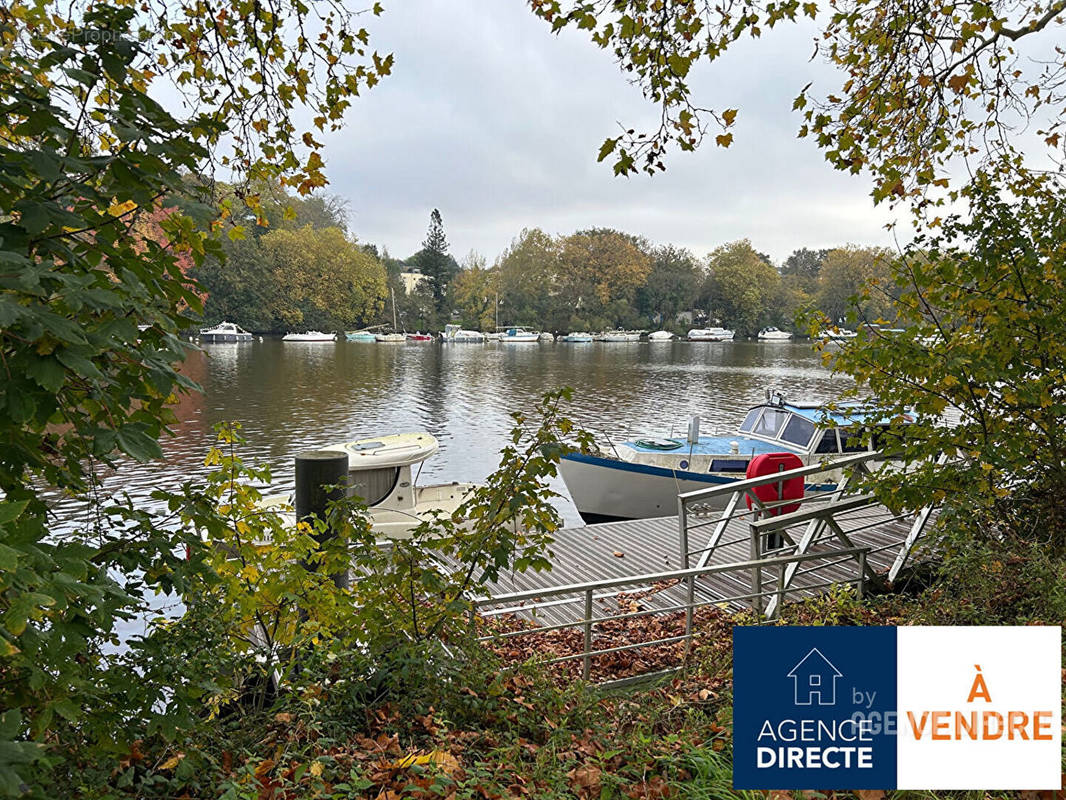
230, 332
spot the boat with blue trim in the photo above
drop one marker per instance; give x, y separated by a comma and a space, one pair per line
642, 478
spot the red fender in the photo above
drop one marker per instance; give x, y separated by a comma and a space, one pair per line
791, 488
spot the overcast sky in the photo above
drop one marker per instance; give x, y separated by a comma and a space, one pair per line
497, 122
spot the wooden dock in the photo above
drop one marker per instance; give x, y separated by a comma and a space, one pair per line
596, 553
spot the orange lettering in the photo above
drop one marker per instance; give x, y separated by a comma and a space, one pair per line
1042, 722
917, 728
993, 715
940, 725
979, 689
964, 724
1016, 722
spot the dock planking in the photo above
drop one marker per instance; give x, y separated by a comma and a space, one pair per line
603, 551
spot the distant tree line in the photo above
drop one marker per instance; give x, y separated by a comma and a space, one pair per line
295, 267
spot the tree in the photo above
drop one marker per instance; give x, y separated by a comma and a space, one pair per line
803, 265
530, 282
923, 86
601, 266
741, 287
672, 284
984, 342
435, 263
475, 292
87, 150
321, 280
243, 286
856, 272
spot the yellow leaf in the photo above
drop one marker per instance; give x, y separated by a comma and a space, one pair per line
724, 140
173, 761
316, 768
728, 116
118, 209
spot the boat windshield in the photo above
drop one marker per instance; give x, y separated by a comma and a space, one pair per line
851, 440
749, 420
798, 431
771, 422
828, 442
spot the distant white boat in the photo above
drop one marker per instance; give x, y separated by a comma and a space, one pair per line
576, 338
224, 332
458, 335
837, 334
390, 338
772, 334
660, 336
710, 335
309, 336
493, 337
520, 336
547, 337
618, 336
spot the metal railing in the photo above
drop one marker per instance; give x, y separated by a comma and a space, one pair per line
821, 514
586, 594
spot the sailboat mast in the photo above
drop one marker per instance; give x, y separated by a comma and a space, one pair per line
392, 291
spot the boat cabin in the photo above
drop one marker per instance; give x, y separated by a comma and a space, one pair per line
802, 427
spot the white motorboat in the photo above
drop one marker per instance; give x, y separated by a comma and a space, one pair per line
520, 336
309, 336
837, 334
619, 335
642, 477
772, 334
547, 337
454, 334
660, 336
390, 338
576, 338
493, 337
380, 474
224, 332
710, 335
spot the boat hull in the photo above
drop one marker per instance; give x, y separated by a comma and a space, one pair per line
608, 489
224, 338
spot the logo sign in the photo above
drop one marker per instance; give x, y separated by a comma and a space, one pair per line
897, 708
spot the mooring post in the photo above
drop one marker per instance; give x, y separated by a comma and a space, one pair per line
321, 476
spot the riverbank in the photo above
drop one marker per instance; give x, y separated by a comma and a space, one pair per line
497, 725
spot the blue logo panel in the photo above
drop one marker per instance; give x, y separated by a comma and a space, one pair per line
813, 707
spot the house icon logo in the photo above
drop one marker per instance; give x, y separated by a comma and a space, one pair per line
814, 680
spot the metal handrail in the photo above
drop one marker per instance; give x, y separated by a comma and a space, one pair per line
589, 589
751, 483
648, 578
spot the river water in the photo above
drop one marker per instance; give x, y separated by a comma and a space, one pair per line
296, 396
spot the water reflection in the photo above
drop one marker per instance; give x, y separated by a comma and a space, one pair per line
294, 396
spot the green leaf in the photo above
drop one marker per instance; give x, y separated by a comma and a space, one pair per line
10, 511
47, 372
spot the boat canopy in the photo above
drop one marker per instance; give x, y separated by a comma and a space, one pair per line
813, 427
394, 450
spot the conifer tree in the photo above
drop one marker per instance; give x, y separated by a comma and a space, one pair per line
435, 263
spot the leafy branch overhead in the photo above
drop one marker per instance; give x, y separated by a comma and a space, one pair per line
924, 84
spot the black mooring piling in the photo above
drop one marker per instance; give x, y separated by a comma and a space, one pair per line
320, 479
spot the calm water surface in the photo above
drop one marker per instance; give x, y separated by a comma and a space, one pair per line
295, 396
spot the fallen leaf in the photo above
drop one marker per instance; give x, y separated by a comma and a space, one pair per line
619, 554
585, 777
